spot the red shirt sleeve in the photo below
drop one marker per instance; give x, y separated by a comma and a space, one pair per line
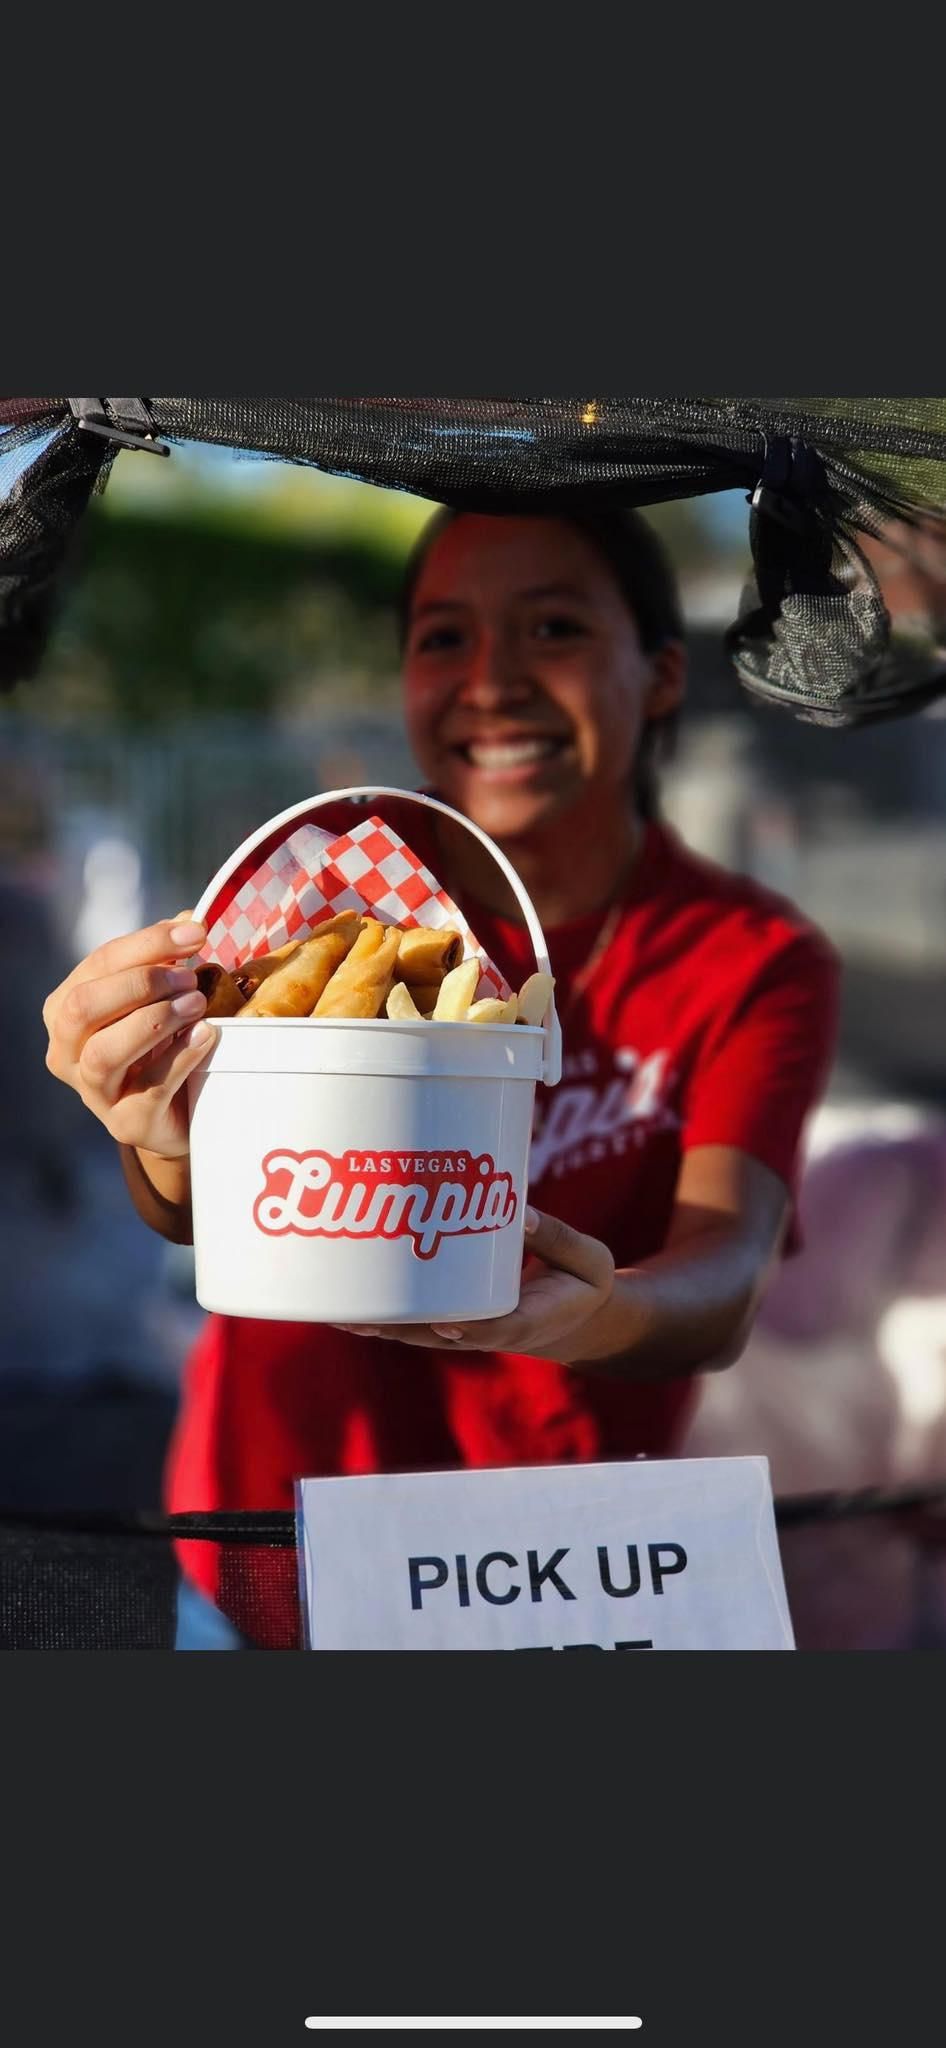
769, 1059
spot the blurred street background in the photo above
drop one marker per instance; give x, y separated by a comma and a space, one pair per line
228, 646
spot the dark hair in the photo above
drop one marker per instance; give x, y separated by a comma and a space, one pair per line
645, 577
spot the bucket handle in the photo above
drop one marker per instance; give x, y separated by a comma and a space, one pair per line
552, 1030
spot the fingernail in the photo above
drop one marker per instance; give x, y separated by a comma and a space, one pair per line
181, 977
532, 1221
452, 1336
198, 1035
187, 935
363, 1331
190, 1005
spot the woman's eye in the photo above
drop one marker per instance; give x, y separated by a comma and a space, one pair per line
558, 626
439, 640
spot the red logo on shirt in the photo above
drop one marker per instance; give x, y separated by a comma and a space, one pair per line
426, 1196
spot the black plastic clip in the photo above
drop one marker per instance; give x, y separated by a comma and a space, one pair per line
793, 474
125, 421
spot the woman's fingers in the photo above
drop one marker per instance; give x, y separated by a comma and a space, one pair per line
148, 1116
127, 1027
105, 1060
550, 1307
553, 1241
156, 945
165, 1073
91, 1007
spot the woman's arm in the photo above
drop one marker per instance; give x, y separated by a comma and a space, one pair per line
687, 1309
161, 1192
690, 1308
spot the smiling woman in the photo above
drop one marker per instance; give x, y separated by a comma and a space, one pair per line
568, 634
540, 656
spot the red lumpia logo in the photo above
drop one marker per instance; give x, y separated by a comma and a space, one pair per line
426, 1196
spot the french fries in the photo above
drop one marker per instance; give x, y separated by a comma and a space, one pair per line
456, 993
354, 966
492, 1011
401, 1007
423, 996
534, 998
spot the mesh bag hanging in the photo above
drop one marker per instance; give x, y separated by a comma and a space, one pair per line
835, 484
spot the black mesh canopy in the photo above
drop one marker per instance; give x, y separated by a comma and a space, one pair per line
833, 484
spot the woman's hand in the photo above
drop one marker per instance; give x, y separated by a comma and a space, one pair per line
565, 1285
125, 1032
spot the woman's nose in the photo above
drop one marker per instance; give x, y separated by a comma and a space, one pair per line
493, 675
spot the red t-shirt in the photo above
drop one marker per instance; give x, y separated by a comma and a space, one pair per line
710, 1020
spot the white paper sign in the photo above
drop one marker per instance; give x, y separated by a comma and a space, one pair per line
664, 1555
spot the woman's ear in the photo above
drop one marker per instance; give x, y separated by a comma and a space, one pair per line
669, 680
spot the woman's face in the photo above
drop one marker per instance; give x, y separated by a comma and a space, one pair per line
526, 685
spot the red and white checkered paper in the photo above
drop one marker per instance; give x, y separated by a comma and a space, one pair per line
312, 876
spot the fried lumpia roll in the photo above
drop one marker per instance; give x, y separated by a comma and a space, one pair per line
361, 985
425, 956
223, 992
269, 963
294, 989
260, 970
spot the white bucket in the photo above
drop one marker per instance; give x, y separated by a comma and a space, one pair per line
353, 1171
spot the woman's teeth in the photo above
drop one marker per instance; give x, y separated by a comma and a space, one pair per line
511, 753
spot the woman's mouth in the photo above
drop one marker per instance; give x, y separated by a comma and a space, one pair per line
509, 757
